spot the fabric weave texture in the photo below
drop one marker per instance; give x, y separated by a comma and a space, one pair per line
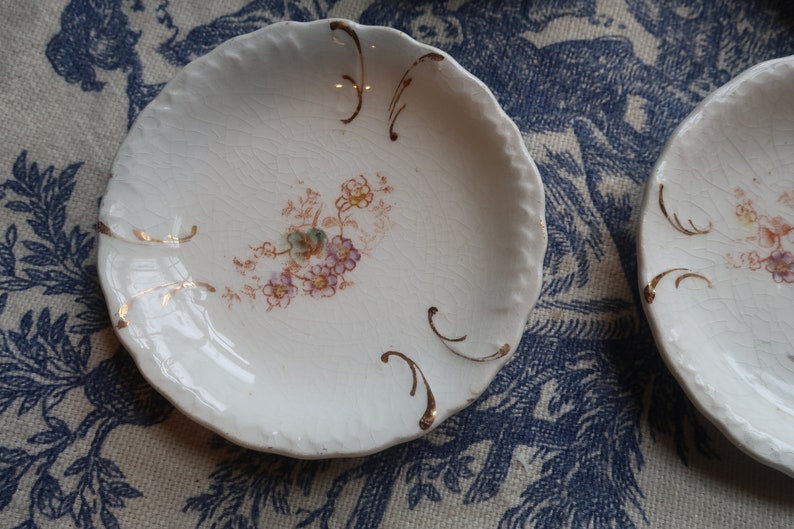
584, 428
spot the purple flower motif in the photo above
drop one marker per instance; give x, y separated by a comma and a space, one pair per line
279, 290
781, 266
320, 282
342, 255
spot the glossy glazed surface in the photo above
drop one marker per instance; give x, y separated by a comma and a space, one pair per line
322, 239
716, 262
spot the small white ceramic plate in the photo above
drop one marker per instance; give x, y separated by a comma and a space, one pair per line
716, 259
322, 239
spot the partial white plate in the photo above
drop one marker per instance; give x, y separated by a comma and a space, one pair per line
322, 239
716, 259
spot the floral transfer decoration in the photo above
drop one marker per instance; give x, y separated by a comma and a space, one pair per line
773, 239
322, 246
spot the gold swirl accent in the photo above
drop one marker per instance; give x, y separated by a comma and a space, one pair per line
650, 289
431, 312
404, 83
676, 223
178, 285
359, 87
502, 351
141, 235
430, 411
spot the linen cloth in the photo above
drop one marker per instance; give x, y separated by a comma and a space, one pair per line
584, 428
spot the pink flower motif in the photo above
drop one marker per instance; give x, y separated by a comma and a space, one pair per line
320, 282
781, 266
342, 255
279, 290
772, 231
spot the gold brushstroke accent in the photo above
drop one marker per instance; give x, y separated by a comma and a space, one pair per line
502, 351
141, 235
431, 312
404, 83
178, 285
430, 411
649, 291
359, 87
169, 239
676, 223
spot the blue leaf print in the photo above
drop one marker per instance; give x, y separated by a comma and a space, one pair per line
262, 482
252, 16
118, 395
598, 384
77, 467
584, 439
19, 207
108, 519
14, 463
49, 497
8, 261
58, 262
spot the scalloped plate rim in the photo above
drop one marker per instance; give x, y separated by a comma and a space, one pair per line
744, 432
530, 182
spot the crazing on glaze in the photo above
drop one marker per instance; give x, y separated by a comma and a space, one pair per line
395, 108
142, 237
431, 313
320, 248
772, 240
429, 416
649, 293
316, 235
318, 252
769, 247
687, 228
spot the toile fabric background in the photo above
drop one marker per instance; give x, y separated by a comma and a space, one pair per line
584, 428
